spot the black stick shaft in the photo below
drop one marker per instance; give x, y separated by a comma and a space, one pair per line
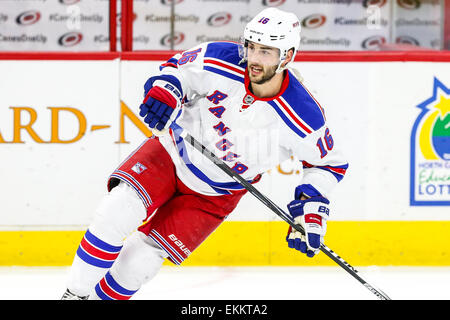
272, 206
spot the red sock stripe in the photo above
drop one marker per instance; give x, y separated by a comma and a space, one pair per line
110, 292
100, 254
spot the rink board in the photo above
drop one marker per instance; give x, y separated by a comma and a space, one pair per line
61, 140
240, 243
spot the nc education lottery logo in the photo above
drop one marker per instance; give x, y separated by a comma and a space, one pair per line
430, 150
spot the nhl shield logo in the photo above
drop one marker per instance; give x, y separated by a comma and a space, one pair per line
246, 102
139, 168
430, 150
248, 99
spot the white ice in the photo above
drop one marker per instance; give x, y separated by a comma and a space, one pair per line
247, 283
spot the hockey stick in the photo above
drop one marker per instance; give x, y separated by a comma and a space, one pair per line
272, 206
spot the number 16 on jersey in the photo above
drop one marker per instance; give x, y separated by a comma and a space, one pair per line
326, 146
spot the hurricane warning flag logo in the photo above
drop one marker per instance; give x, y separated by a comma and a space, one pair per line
430, 150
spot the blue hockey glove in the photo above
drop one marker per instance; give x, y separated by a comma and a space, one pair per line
312, 215
160, 106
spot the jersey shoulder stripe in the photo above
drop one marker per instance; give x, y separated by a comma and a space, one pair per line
223, 58
226, 51
224, 73
287, 118
301, 106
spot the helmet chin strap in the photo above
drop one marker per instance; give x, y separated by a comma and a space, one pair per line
283, 59
281, 68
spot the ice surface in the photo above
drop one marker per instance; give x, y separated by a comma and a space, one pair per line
247, 283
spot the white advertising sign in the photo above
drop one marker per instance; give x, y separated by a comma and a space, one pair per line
54, 25
61, 136
58, 126
419, 23
327, 25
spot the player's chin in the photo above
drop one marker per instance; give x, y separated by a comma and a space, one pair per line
257, 79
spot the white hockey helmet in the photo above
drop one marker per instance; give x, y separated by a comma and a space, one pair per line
275, 28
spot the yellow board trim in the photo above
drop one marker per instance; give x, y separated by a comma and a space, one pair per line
244, 243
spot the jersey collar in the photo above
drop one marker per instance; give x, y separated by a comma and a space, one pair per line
283, 88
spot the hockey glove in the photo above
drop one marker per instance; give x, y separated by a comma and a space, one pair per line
312, 215
160, 106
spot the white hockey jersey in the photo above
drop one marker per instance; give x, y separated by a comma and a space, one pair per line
252, 135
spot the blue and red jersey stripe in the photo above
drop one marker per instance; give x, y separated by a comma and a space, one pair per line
337, 171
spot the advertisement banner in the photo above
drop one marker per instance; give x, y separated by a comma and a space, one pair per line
54, 25
59, 127
327, 25
419, 23
65, 126
60, 141
430, 150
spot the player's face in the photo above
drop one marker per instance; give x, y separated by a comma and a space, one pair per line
262, 62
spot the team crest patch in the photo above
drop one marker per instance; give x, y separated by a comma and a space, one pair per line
248, 99
247, 102
430, 150
139, 168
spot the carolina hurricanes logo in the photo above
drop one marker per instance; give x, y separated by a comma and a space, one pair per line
169, 2
69, 1
373, 43
314, 21
273, 3
119, 18
70, 39
167, 40
219, 19
409, 4
378, 3
28, 17
407, 40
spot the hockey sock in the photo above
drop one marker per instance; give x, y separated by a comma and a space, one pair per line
109, 289
93, 259
138, 262
117, 216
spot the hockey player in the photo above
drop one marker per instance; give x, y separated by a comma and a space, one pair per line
239, 100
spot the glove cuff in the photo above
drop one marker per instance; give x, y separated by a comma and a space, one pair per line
164, 79
306, 190
166, 93
317, 208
